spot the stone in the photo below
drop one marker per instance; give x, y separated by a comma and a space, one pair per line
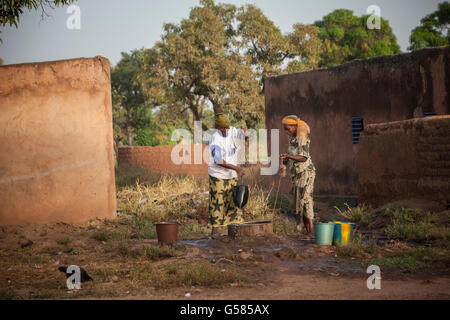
244, 255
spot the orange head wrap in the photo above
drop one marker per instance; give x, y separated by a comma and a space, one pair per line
302, 127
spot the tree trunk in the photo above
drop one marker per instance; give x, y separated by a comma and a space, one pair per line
130, 137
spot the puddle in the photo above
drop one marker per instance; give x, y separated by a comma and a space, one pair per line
204, 242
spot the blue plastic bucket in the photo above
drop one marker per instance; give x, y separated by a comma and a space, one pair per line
323, 233
343, 232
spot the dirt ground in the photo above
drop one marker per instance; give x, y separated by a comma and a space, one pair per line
290, 269
272, 267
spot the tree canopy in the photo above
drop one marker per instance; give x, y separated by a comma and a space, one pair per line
135, 120
130, 108
345, 37
217, 59
433, 29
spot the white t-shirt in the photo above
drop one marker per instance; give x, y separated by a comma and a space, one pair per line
224, 148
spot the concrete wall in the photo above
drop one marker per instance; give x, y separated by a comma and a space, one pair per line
405, 160
56, 151
380, 89
158, 159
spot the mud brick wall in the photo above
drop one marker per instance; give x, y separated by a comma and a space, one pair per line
381, 89
405, 160
158, 160
56, 150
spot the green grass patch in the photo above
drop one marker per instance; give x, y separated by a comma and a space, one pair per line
153, 253
358, 248
359, 214
416, 225
412, 259
187, 275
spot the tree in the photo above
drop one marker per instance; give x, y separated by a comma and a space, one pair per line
269, 50
158, 131
131, 111
217, 59
1, 61
433, 30
346, 37
10, 10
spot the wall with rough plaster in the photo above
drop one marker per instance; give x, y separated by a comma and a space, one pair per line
158, 160
56, 150
405, 160
380, 89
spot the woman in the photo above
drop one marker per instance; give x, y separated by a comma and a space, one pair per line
301, 171
223, 171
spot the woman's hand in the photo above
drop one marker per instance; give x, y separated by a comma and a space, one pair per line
284, 157
240, 172
283, 170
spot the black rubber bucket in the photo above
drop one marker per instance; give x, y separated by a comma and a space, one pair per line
240, 195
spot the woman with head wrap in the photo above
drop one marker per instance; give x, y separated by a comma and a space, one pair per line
301, 171
223, 172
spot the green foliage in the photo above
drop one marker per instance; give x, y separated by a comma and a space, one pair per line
411, 259
135, 120
153, 253
433, 30
202, 274
359, 214
416, 225
157, 132
131, 111
358, 248
346, 37
218, 57
187, 275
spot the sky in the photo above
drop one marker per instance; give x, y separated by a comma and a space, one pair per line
109, 27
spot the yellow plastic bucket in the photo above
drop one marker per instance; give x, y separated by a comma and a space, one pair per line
343, 232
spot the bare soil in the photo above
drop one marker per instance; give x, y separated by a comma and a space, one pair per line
274, 267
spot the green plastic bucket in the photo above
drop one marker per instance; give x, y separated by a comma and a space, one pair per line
324, 233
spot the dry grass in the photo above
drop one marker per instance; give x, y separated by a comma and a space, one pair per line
167, 200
